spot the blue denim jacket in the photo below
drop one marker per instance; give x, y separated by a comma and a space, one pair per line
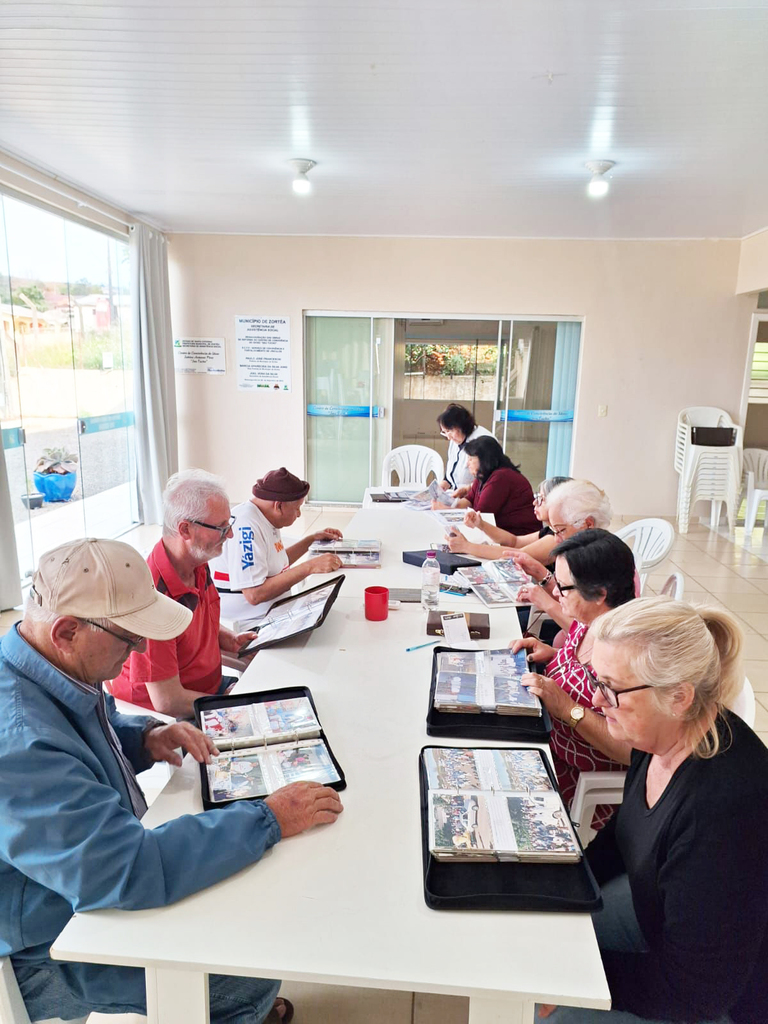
68, 838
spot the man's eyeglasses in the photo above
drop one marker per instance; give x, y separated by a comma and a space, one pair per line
132, 642
612, 696
222, 530
558, 531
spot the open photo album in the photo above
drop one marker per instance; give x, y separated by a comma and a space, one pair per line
422, 500
264, 741
477, 682
353, 554
495, 805
496, 583
291, 616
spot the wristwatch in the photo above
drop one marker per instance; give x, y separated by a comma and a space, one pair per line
543, 582
577, 713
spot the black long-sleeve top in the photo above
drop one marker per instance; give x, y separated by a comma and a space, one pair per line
697, 863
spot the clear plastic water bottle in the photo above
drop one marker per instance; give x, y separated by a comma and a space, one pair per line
430, 582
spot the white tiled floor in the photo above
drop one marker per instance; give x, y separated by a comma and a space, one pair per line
731, 572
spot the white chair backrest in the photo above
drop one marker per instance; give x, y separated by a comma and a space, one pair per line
413, 464
756, 461
674, 587
650, 539
744, 704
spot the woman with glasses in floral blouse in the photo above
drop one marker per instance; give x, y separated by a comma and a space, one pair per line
594, 572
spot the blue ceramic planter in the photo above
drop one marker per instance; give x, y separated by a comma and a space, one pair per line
55, 486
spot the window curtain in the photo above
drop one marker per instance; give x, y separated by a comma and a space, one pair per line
157, 453
563, 397
10, 586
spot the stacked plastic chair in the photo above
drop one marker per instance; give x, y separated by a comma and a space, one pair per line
707, 473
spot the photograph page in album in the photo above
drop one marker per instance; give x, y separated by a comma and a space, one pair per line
250, 772
483, 682
353, 554
264, 741
291, 616
488, 805
496, 583
273, 721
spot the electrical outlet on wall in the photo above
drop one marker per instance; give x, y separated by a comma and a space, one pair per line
602, 410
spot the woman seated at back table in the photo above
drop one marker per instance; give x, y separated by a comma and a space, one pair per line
538, 544
683, 932
499, 487
458, 426
594, 572
572, 507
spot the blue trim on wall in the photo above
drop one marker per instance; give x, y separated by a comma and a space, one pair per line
343, 410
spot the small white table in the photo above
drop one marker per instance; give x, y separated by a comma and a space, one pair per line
343, 904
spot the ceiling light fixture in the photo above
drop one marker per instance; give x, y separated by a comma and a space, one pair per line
301, 183
598, 185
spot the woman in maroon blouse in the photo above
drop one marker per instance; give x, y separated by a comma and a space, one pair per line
499, 487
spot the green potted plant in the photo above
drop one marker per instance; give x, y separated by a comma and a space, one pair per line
55, 474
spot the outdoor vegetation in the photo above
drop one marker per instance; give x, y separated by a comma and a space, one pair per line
450, 360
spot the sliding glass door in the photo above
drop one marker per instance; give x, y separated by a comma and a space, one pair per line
348, 375
536, 394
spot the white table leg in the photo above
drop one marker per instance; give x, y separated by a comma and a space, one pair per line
176, 997
500, 1011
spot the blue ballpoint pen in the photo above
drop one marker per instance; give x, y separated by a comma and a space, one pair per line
430, 643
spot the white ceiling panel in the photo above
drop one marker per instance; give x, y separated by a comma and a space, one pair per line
447, 117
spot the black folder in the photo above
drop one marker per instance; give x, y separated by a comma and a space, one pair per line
484, 726
243, 700
504, 886
449, 562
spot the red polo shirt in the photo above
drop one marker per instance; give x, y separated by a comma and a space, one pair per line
194, 656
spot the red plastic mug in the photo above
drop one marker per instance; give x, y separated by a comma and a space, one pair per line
376, 603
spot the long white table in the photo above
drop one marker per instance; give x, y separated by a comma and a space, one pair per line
343, 904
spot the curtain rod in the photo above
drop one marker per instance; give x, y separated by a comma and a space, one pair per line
79, 201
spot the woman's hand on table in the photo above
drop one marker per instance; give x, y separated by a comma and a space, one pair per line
538, 651
556, 701
456, 541
438, 504
445, 486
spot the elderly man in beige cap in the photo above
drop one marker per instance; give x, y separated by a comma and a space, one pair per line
70, 834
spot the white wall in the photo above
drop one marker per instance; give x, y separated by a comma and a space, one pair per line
663, 329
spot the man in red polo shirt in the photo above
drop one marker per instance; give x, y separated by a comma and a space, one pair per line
171, 674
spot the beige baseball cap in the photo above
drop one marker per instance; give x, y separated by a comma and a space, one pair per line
107, 579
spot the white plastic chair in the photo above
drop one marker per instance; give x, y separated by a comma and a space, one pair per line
593, 789
12, 1008
744, 704
651, 541
413, 463
674, 587
756, 473
707, 472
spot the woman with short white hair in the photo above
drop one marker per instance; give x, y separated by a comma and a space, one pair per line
571, 507
684, 928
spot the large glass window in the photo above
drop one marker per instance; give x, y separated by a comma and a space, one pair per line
66, 394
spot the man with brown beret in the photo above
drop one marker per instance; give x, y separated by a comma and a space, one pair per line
255, 567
